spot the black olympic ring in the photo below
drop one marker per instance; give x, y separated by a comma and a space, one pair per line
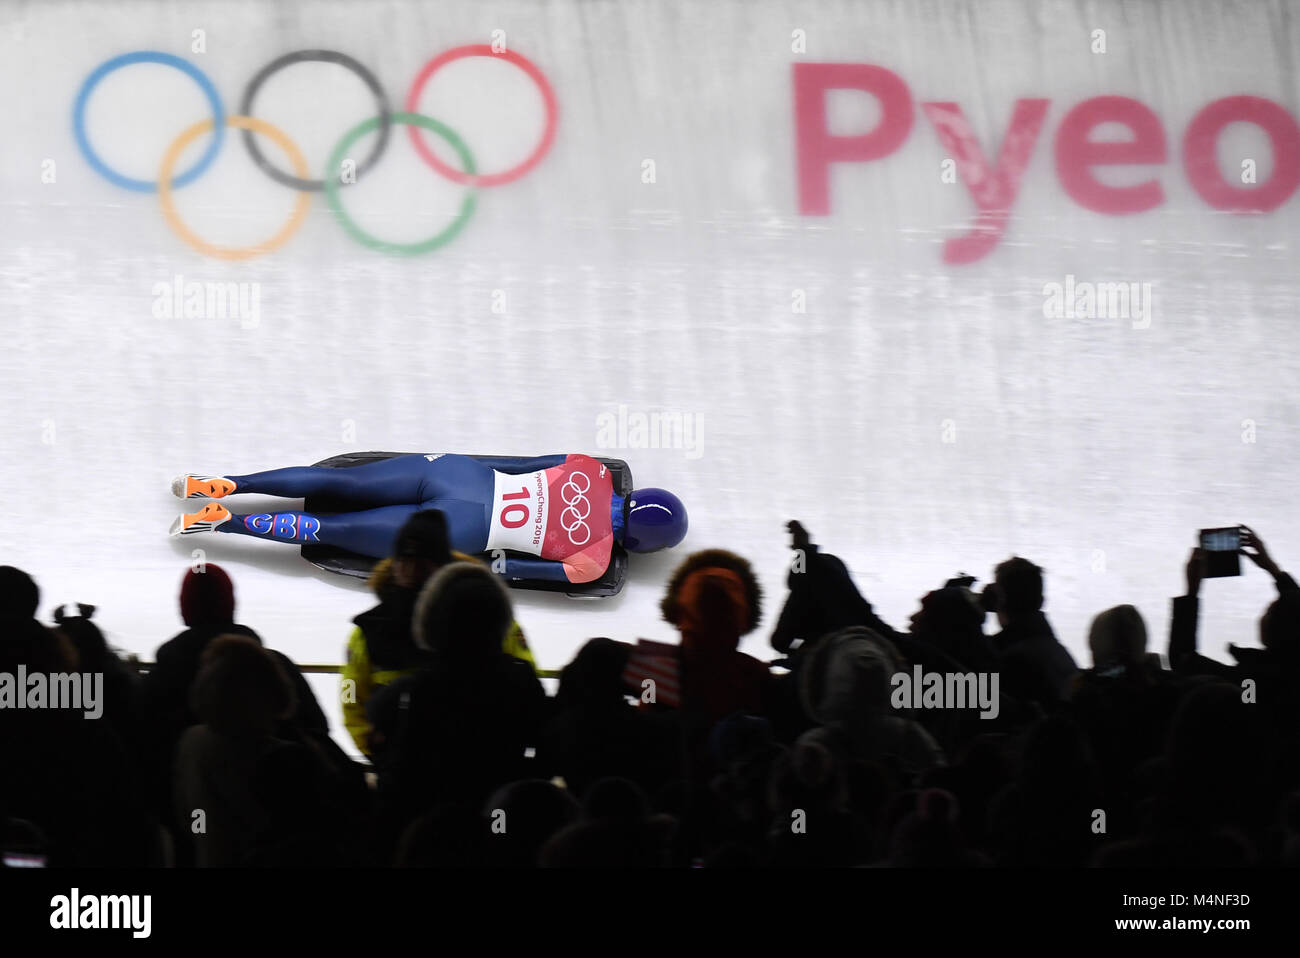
315, 56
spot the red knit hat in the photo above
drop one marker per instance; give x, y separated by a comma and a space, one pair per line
207, 596
713, 606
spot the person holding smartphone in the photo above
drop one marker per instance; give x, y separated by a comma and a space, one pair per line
1279, 627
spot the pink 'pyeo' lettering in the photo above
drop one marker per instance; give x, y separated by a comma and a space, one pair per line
995, 188
818, 149
1202, 166
1076, 154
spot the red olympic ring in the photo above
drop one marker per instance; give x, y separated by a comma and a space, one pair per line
483, 179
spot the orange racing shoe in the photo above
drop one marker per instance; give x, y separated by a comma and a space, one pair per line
205, 520
202, 487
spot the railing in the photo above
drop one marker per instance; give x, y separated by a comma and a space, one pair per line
328, 669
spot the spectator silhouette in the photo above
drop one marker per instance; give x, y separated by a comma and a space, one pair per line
951, 621
595, 733
1194, 766
521, 818
929, 836
451, 835
1274, 669
381, 648
207, 605
1124, 704
457, 728
239, 696
821, 598
808, 794
744, 752
1222, 767
617, 830
121, 683
261, 799
947, 635
846, 687
1047, 815
23, 640
67, 777
1034, 666
713, 598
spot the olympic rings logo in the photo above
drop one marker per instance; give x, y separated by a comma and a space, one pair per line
575, 498
300, 179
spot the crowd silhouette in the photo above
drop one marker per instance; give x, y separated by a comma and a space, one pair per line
688, 755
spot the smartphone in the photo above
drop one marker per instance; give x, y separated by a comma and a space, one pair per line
1221, 548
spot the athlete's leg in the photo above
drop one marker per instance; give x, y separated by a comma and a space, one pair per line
453, 476
396, 481
467, 523
370, 533
463, 489
457, 485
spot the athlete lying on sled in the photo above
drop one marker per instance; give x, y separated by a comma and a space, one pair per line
553, 520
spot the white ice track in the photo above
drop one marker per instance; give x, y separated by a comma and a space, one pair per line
1091, 446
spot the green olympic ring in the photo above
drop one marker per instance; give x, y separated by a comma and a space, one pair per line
350, 225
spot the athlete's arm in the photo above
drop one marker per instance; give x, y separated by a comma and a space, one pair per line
528, 568
517, 464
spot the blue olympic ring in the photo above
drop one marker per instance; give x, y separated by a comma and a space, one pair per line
166, 59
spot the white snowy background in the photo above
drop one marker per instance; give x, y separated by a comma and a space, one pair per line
1095, 448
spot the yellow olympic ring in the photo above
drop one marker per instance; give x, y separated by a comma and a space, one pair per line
232, 252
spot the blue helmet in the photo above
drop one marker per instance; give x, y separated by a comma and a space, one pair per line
656, 519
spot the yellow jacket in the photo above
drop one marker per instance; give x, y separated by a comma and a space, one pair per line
361, 677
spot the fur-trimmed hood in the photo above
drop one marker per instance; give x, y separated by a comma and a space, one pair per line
462, 613
847, 676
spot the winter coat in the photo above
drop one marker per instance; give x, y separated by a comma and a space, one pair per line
380, 651
1034, 666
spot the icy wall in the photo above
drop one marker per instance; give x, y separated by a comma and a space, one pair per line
852, 245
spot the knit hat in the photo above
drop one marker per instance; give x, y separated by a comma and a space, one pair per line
712, 603
462, 613
714, 593
424, 536
207, 596
848, 676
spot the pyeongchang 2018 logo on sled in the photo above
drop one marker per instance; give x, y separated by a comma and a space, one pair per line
342, 168
994, 184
